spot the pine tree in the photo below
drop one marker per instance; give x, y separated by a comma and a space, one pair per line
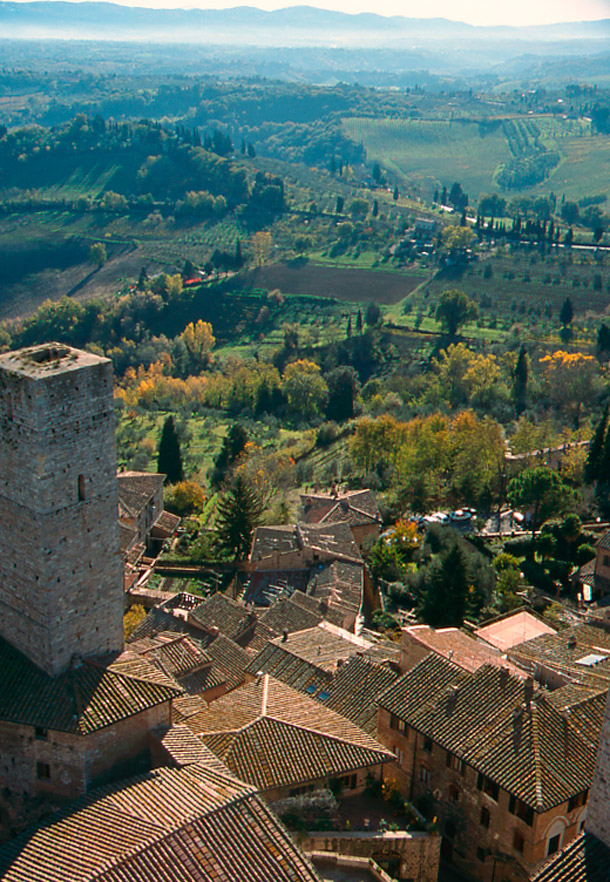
169, 460
596, 449
396, 193
237, 514
359, 322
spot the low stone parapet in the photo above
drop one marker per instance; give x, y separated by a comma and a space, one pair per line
401, 854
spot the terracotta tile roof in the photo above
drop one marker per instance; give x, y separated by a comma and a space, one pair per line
580, 653
320, 647
186, 706
176, 654
421, 686
271, 540
357, 507
604, 542
585, 859
166, 524
137, 488
454, 644
272, 736
287, 614
514, 628
220, 613
183, 748
339, 586
132, 664
494, 722
333, 540
329, 540
190, 666
229, 661
82, 700
291, 669
158, 620
355, 689
172, 825
266, 586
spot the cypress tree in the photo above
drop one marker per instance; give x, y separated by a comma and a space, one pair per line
567, 312
169, 460
520, 378
596, 449
359, 322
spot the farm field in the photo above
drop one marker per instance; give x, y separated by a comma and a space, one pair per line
432, 152
585, 169
343, 283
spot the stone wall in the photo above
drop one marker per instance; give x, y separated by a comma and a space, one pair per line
41, 769
412, 857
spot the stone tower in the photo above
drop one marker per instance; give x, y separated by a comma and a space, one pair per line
61, 582
598, 811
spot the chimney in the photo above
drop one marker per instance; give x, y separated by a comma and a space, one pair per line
284, 635
528, 689
503, 677
265, 694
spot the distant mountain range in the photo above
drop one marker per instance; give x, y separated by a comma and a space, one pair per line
296, 25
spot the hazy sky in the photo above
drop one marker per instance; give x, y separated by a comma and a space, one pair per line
515, 12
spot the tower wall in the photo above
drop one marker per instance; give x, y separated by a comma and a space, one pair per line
61, 581
598, 810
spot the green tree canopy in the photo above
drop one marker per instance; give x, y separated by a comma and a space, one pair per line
444, 603
542, 490
454, 309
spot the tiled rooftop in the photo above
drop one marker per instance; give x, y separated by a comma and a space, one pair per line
356, 507
585, 859
288, 614
172, 825
529, 748
137, 488
82, 700
451, 643
580, 653
329, 540
272, 736
220, 613
512, 629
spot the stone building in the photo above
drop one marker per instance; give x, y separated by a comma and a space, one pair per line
61, 578
505, 768
587, 858
68, 720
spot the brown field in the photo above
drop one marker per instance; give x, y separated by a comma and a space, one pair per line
342, 283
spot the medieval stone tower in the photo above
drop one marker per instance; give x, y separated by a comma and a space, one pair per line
598, 811
61, 589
